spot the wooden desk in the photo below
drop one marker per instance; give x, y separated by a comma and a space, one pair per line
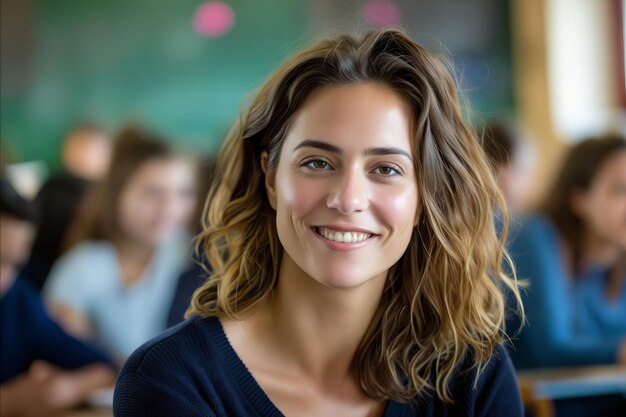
540, 387
90, 412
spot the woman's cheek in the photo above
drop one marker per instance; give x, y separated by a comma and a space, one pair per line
398, 205
301, 194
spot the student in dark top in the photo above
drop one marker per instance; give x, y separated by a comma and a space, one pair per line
356, 267
42, 369
195, 275
85, 154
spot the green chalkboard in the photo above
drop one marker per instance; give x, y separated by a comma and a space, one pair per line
141, 61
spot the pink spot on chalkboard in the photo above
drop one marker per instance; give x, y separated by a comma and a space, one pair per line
381, 13
213, 19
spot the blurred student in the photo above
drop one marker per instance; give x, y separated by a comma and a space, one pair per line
43, 370
574, 255
512, 159
85, 155
117, 284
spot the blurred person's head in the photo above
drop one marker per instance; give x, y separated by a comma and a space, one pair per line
512, 159
588, 200
86, 152
18, 218
148, 193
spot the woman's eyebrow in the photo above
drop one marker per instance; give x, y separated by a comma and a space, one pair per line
318, 144
311, 143
388, 150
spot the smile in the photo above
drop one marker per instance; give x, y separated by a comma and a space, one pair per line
343, 239
338, 236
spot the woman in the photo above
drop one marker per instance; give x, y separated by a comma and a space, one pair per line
356, 269
115, 287
574, 256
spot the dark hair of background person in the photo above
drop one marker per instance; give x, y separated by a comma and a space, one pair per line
500, 141
132, 148
578, 171
14, 205
59, 202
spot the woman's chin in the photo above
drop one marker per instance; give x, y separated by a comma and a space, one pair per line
344, 281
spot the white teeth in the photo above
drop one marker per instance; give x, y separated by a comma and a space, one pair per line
345, 237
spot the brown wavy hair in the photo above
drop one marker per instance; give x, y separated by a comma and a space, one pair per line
443, 297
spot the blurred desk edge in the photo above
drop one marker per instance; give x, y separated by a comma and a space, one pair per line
539, 387
90, 412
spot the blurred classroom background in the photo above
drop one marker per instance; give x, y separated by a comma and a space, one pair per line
556, 66
551, 70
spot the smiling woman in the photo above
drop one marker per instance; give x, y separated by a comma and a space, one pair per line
356, 267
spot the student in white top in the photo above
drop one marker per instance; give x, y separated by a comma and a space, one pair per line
115, 286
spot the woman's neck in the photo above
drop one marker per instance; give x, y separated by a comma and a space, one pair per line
315, 329
133, 257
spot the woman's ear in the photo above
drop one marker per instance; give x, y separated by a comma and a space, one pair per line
270, 180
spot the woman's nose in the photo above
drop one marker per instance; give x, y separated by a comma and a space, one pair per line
350, 192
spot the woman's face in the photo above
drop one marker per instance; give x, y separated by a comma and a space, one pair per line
603, 206
158, 199
345, 191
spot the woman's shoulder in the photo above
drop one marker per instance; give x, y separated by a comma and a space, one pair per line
192, 344
488, 390
179, 373
498, 370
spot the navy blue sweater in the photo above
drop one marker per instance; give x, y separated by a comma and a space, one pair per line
192, 370
27, 333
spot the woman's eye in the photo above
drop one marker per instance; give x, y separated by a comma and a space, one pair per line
317, 164
386, 171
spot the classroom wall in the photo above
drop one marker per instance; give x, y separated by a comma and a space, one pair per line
120, 61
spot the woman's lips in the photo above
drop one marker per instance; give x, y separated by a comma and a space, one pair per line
343, 240
343, 236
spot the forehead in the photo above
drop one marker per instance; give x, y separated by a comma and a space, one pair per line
353, 117
613, 168
160, 169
